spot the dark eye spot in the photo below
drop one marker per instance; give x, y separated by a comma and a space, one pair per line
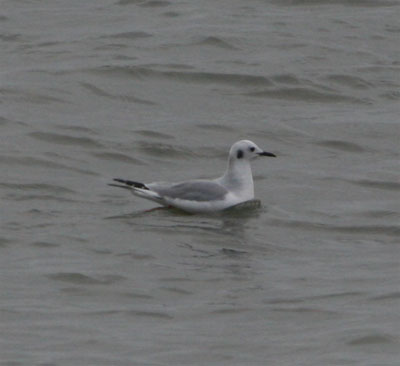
239, 154
252, 148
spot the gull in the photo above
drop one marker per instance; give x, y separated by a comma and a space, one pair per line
234, 187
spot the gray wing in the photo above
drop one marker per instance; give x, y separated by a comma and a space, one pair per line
191, 190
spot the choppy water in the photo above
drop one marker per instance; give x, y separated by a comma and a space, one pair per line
149, 90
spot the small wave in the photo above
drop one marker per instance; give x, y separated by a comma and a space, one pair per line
216, 42
118, 157
154, 4
129, 2
297, 300
309, 311
137, 295
389, 230
36, 162
355, 3
145, 3
177, 290
386, 185
124, 98
371, 339
215, 127
29, 187
136, 256
44, 244
79, 129
95, 90
230, 310
61, 139
154, 134
173, 66
162, 150
391, 296
29, 96
342, 145
172, 14
380, 214
4, 242
350, 81
48, 44
149, 314
81, 279
4, 121
137, 313
391, 95
42, 197
286, 79
28, 161
141, 72
15, 37
306, 95
129, 35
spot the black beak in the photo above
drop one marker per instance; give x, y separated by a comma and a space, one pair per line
264, 153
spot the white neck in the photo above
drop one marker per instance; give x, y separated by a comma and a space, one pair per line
239, 178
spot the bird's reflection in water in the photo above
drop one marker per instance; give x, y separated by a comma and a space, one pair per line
226, 228
233, 219
214, 242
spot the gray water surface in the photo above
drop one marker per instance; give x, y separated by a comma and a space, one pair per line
159, 90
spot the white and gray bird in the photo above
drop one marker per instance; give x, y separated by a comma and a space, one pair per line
234, 187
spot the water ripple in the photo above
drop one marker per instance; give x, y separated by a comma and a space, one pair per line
342, 145
162, 150
142, 72
129, 35
350, 81
28, 161
125, 98
386, 185
390, 230
29, 96
37, 187
112, 156
216, 42
374, 338
355, 3
61, 139
82, 279
307, 95
155, 134
154, 3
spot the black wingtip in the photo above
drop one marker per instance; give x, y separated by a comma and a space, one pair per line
131, 183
